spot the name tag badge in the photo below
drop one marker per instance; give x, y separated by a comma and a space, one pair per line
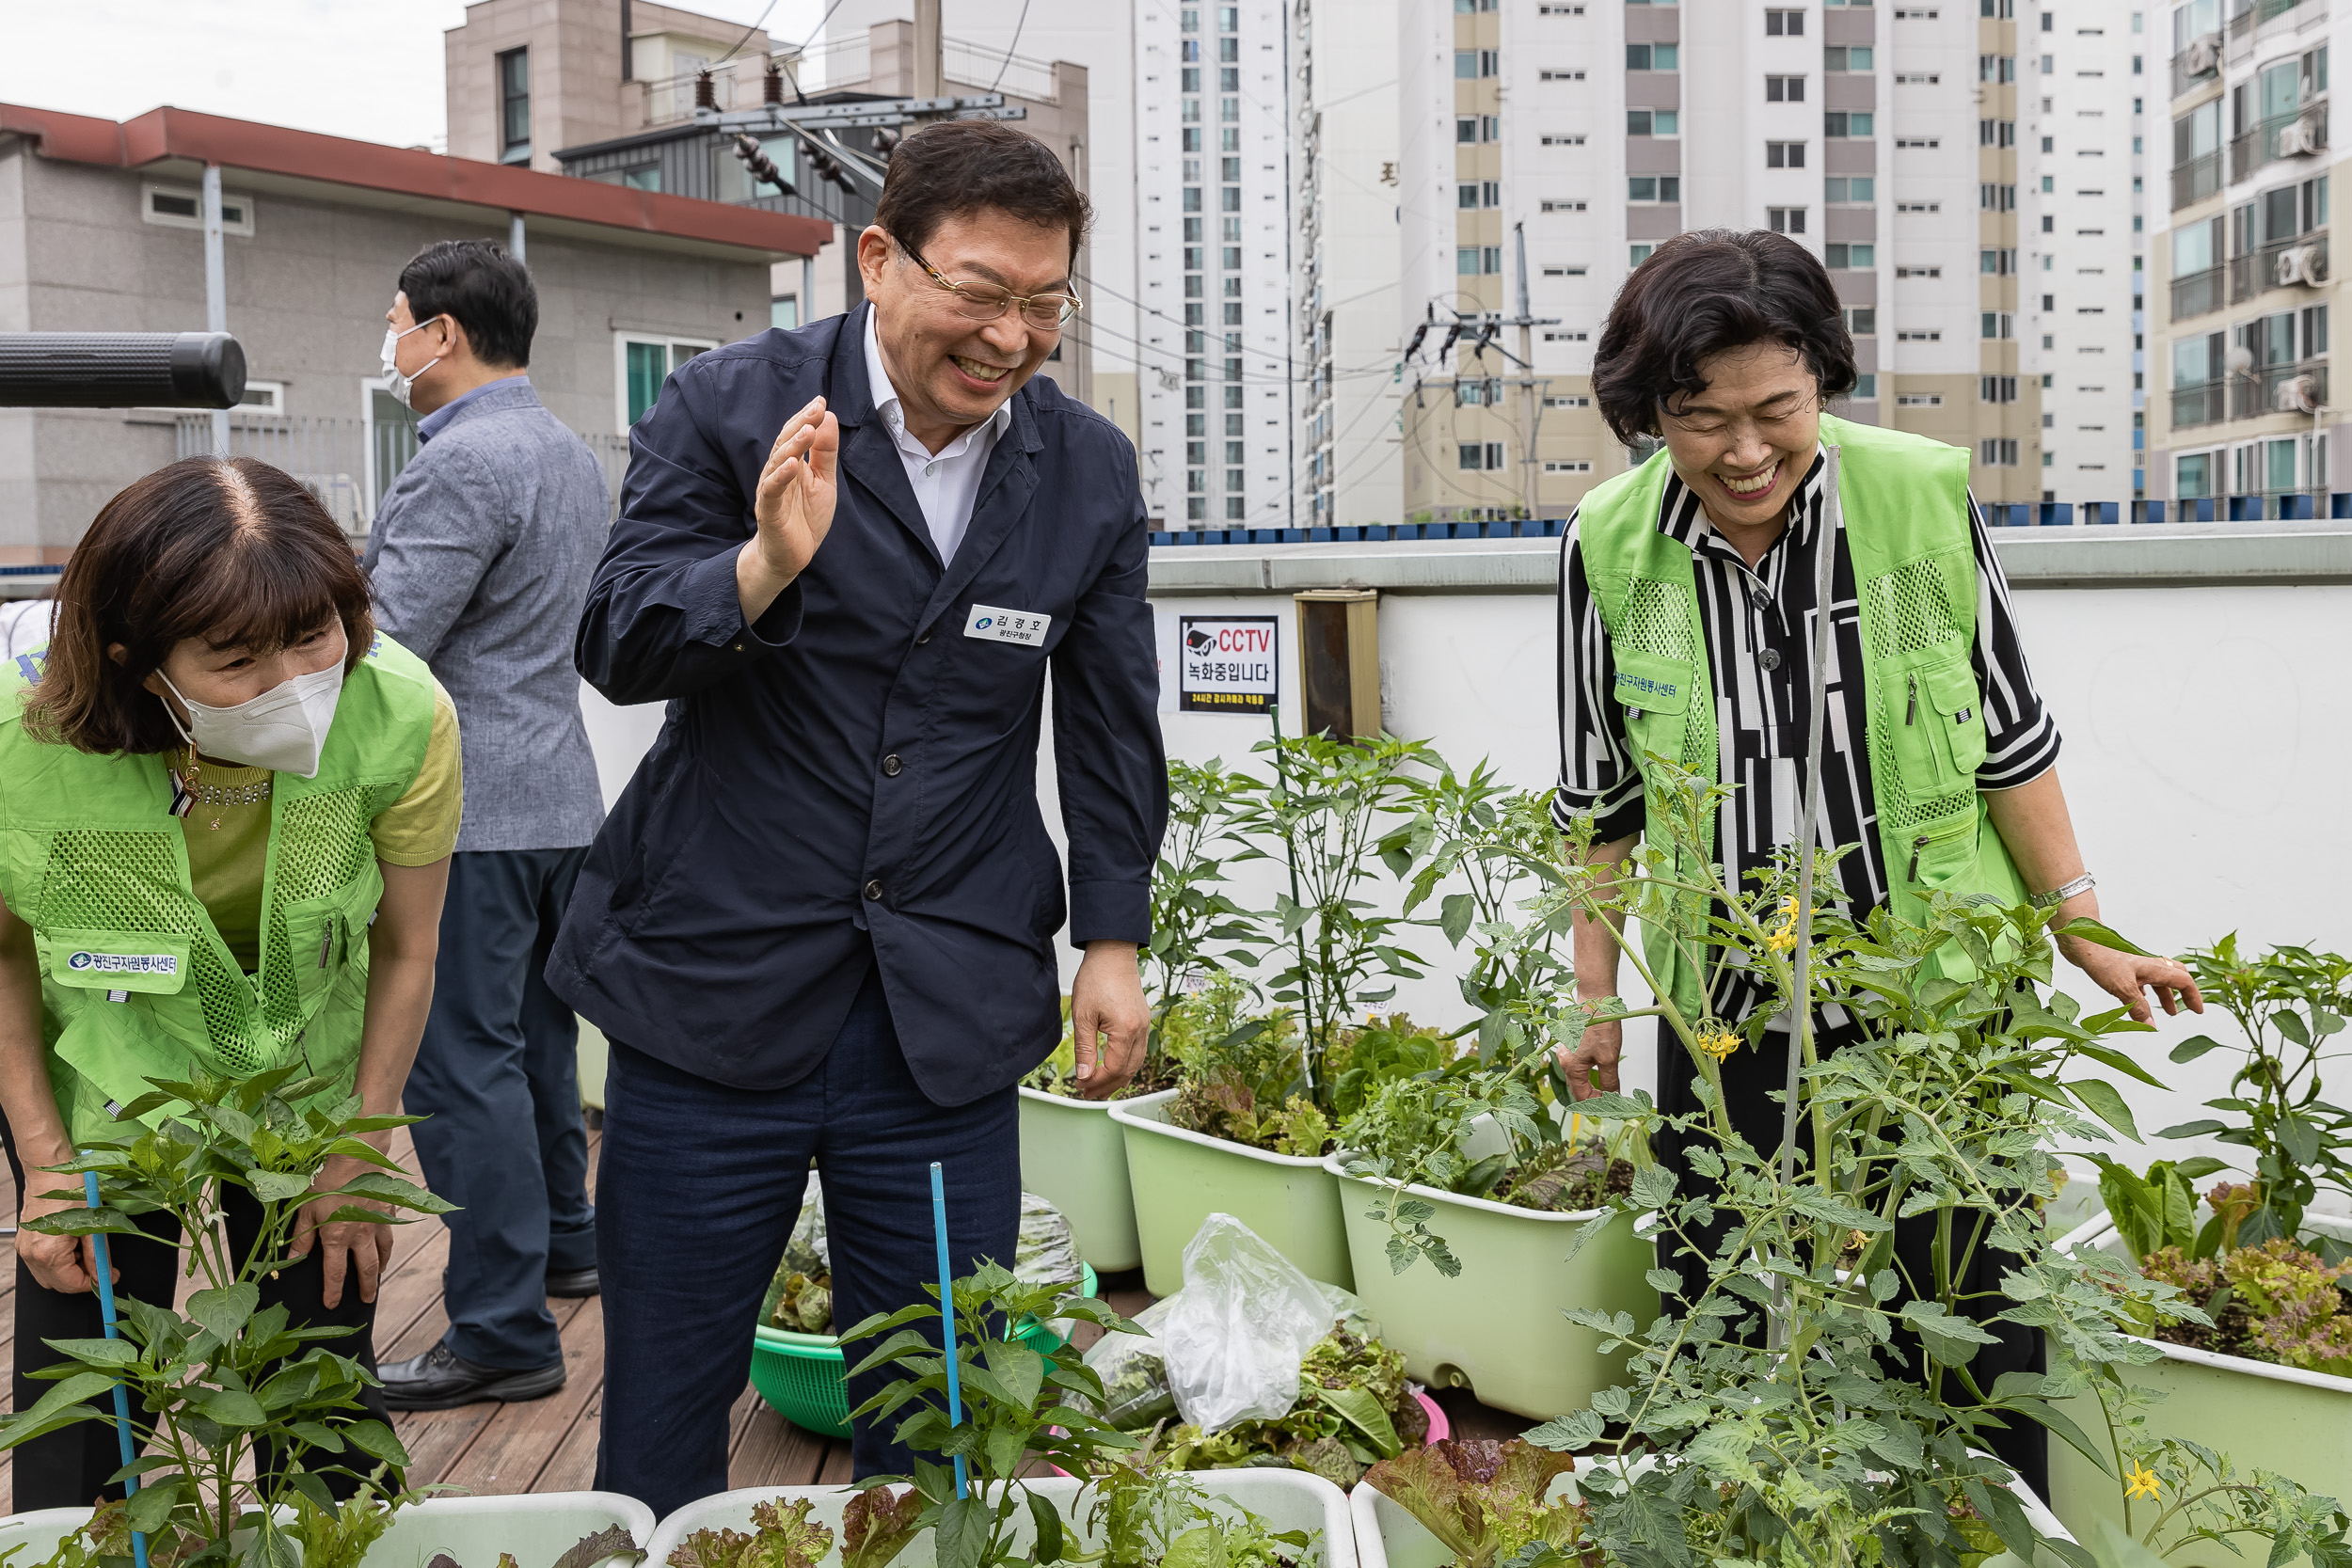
992, 624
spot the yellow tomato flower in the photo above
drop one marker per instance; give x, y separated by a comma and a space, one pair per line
2140, 1482
1718, 1043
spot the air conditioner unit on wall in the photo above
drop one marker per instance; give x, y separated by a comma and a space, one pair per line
2301, 137
2296, 395
2302, 264
2204, 55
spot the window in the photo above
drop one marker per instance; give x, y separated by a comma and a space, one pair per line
1563, 466
1650, 122
1996, 67
1560, 206
784, 311
1996, 198
1920, 142
1865, 387
1572, 400
1482, 454
1997, 325
1842, 190
1785, 154
1650, 56
1996, 388
1839, 57
1637, 254
1785, 220
643, 363
1840, 123
1862, 320
1559, 10
1556, 76
1466, 65
1918, 334
1188, 79
2192, 475
513, 76
183, 207
1567, 138
1653, 187
1919, 206
1778, 25
1918, 400
1918, 15
1784, 90
1919, 272
1996, 262
1997, 453
1840, 258
1567, 336
1918, 78
1466, 127
1490, 126
1999, 10
2001, 133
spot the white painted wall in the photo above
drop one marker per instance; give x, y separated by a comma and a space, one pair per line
2208, 739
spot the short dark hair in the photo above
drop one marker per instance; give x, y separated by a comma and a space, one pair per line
485, 290
952, 166
226, 548
1703, 293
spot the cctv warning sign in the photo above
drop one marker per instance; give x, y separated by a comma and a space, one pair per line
1229, 663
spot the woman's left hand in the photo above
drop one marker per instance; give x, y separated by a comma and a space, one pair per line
2128, 977
349, 1246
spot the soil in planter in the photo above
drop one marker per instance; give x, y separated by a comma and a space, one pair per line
1565, 1181
2275, 1302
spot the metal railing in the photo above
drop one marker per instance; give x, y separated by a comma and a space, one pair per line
831, 65
2195, 405
671, 99
2274, 139
2197, 292
349, 464
2195, 180
2254, 394
2258, 273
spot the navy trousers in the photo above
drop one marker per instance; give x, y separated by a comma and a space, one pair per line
498, 1081
697, 1187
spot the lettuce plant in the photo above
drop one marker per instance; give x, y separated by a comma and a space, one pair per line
1487, 1501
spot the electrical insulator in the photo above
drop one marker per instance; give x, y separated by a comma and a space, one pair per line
886, 142
772, 83
762, 167
706, 91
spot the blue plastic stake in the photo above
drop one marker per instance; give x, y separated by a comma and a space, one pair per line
122, 1395
946, 1322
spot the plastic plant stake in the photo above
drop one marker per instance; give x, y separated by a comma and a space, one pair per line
122, 1395
946, 1322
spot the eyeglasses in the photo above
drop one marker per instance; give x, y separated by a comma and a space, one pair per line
985, 302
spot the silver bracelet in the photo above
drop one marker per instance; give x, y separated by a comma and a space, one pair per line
2057, 895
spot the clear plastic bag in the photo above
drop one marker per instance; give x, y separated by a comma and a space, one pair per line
806, 1252
1133, 1372
1048, 1253
1235, 1334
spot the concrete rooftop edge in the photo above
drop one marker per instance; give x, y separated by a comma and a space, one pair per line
242, 145
2146, 555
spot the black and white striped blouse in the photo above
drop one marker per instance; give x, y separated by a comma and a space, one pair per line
1759, 624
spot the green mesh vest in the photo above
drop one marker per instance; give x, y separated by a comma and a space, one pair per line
1906, 528
136, 981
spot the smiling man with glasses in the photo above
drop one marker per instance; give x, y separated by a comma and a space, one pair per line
820, 926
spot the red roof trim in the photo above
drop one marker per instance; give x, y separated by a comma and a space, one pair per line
243, 144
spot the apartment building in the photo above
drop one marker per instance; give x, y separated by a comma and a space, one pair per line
1343, 216
2246, 286
2083, 74
1892, 139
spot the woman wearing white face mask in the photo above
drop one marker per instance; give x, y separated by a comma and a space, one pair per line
231, 805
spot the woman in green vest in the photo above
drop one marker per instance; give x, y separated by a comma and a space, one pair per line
1688, 629
227, 806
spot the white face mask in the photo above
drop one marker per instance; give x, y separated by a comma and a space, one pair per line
398, 385
284, 728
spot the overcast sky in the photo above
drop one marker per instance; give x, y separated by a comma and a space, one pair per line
370, 69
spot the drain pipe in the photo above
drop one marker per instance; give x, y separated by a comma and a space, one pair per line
215, 288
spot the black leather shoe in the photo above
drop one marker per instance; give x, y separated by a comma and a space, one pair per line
441, 1379
572, 1282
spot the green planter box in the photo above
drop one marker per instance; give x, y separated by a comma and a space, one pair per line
1075, 1156
1180, 1178
536, 1527
1286, 1500
2262, 1416
1495, 1327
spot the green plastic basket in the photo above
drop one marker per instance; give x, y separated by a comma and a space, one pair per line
804, 1377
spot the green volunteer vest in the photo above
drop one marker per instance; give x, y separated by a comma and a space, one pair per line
1906, 528
137, 982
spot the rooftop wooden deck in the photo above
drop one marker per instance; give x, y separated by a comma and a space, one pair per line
550, 1445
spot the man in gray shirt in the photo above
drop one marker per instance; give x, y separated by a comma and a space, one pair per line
481, 557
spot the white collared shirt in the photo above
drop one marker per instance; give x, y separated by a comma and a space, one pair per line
946, 483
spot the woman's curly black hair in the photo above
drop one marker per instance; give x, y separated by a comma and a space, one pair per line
1703, 293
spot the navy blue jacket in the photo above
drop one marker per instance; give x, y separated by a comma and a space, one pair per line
853, 774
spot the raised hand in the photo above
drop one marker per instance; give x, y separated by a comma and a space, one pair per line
793, 507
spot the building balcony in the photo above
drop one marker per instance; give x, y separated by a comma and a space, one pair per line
2199, 403
2196, 292
2195, 180
2200, 62
2290, 136
2281, 264
2247, 17
2293, 389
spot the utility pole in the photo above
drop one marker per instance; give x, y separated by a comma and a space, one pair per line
215, 288
1529, 415
929, 69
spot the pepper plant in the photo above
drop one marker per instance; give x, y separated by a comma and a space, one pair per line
2289, 1002
239, 1410
1190, 911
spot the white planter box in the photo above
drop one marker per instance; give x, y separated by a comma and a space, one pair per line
1180, 1178
537, 1528
2261, 1415
1285, 1499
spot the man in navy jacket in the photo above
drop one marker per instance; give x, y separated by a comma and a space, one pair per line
818, 925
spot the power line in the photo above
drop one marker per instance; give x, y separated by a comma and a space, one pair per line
1018, 24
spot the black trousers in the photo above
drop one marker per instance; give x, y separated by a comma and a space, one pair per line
68, 1468
1751, 1079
